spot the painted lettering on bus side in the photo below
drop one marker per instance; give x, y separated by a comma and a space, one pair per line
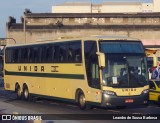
25, 68
54, 68
34, 68
19, 68
42, 68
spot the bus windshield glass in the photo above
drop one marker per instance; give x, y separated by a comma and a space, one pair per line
125, 64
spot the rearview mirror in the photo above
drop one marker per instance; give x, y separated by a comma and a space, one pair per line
101, 58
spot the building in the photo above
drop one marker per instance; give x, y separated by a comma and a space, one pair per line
107, 7
72, 7
44, 26
86, 22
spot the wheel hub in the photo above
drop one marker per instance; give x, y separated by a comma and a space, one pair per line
26, 93
82, 100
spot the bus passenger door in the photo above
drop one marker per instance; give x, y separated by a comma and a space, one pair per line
93, 92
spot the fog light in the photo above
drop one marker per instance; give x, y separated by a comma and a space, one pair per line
145, 91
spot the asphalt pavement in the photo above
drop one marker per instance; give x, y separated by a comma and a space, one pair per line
1, 82
9, 105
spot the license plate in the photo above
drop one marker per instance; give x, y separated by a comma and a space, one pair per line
129, 101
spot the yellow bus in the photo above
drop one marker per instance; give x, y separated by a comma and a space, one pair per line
97, 70
152, 63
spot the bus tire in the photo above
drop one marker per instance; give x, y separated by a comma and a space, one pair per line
18, 91
26, 95
82, 101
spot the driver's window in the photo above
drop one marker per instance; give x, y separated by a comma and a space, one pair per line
91, 63
152, 85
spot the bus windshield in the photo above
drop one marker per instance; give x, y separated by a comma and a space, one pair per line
124, 69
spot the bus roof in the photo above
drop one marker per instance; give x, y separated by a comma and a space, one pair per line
103, 37
93, 37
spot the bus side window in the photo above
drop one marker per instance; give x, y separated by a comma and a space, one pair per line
9, 55
12, 58
63, 52
43, 54
70, 54
56, 53
19, 55
78, 56
35, 54
74, 52
91, 62
24, 55
30, 55
16, 54
48, 54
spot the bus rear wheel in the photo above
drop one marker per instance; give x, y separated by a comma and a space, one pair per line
18, 91
26, 95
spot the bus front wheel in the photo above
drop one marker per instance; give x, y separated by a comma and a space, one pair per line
81, 101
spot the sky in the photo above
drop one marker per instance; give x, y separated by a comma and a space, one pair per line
15, 8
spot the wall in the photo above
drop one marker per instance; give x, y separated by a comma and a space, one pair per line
35, 35
49, 26
52, 34
120, 20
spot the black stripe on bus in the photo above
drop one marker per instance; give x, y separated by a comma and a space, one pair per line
49, 75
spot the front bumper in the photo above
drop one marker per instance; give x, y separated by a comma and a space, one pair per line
109, 100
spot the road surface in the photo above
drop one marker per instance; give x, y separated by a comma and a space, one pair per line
10, 105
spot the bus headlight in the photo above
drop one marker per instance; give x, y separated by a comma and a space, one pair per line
109, 93
145, 91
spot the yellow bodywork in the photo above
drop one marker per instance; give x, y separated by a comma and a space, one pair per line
154, 94
151, 53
